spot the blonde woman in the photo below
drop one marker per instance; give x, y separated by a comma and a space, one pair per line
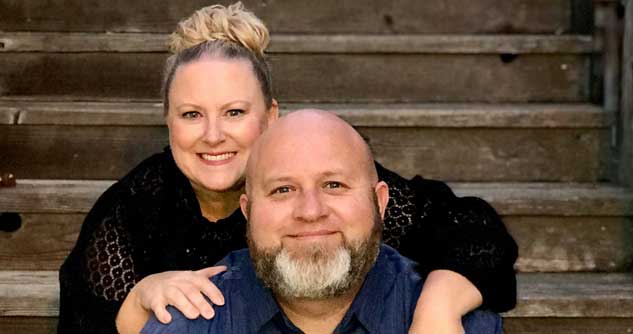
156, 233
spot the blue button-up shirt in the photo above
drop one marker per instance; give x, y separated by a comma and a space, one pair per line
384, 304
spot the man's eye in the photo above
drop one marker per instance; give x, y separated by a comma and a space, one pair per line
234, 112
281, 190
191, 114
333, 185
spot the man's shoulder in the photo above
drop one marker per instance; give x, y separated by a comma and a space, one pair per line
392, 262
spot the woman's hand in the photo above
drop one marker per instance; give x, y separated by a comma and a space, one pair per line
182, 289
446, 297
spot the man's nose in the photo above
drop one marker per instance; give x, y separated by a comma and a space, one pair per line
214, 132
310, 207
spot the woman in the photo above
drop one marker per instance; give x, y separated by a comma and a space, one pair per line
179, 210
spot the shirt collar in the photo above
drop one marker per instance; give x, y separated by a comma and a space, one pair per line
366, 307
262, 306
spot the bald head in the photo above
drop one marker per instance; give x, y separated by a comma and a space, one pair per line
313, 132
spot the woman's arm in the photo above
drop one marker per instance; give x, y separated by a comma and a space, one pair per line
99, 271
445, 298
460, 244
182, 289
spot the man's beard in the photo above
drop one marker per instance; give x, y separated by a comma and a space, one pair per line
315, 272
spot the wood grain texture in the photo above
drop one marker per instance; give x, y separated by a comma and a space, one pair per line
24, 293
42, 243
29, 293
491, 154
302, 43
567, 325
31, 325
454, 154
626, 126
401, 16
574, 295
366, 115
316, 77
8, 115
509, 199
560, 244
546, 243
48, 325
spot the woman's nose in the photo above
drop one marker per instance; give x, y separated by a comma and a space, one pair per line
214, 132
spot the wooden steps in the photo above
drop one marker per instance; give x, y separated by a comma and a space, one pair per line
341, 68
559, 227
568, 296
472, 142
494, 96
329, 16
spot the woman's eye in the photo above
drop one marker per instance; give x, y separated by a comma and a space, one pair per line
234, 112
191, 114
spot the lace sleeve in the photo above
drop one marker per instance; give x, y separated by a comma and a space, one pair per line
464, 235
99, 272
426, 222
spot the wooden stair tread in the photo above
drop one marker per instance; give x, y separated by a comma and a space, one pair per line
36, 293
68, 42
529, 199
412, 16
536, 115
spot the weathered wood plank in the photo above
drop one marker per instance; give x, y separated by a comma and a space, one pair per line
41, 243
51, 196
552, 199
567, 325
24, 293
329, 16
48, 325
546, 243
509, 199
560, 244
491, 154
626, 126
456, 154
314, 78
29, 293
296, 44
574, 295
8, 115
31, 325
367, 115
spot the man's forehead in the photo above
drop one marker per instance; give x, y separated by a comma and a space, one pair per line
308, 142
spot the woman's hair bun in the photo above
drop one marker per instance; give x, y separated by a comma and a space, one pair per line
219, 23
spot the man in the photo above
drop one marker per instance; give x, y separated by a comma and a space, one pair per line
315, 263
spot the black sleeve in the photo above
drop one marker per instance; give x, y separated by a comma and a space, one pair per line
464, 235
99, 272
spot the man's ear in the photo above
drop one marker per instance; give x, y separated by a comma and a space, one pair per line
244, 205
273, 112
382, 195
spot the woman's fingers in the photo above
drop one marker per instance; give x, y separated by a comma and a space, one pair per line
161, 313
197, 300
177, 298
211, 271
184, 290
209, 289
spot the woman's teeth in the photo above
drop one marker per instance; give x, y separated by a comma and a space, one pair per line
219, 157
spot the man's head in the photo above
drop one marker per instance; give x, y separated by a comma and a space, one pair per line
314, 206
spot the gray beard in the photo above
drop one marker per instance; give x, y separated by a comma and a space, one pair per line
317, 273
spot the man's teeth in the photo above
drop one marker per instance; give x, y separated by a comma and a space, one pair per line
219, 157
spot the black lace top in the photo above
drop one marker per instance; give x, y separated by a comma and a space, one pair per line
151, 222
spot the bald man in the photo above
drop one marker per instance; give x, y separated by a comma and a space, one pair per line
315, 263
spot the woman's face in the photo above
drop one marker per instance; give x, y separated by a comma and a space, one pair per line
216, 111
